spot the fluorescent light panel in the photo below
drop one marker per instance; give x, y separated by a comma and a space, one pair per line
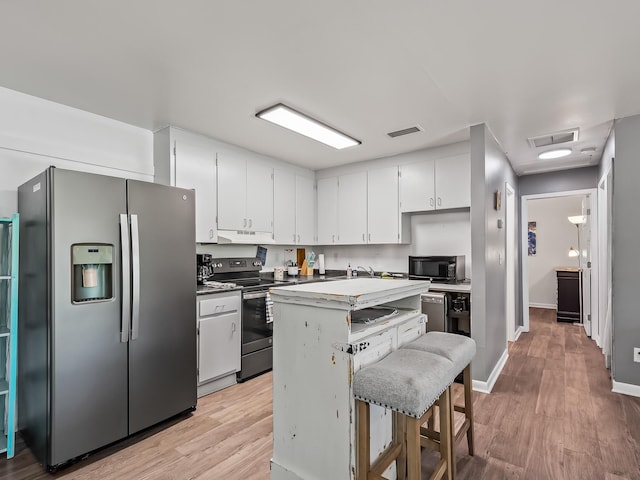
551, 154
288, 118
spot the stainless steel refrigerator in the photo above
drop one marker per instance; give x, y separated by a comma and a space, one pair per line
107, 331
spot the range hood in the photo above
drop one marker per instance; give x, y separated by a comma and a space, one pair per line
244, 236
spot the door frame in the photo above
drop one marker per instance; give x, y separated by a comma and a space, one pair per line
511, 249
592, 193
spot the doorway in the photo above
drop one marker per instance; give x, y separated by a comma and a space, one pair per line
510, 255
539, 287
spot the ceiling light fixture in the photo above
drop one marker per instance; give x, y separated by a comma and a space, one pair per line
551, 154
588, 150
288, 118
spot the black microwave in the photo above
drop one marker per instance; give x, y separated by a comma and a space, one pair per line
440, 269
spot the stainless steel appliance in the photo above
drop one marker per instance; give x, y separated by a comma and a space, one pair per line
107, 339
434, 305
441, 269
257, 328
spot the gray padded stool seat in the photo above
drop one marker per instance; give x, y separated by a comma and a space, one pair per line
460, 350
457, 348
408, 382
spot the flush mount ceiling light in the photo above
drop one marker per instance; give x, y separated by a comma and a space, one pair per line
557, 153
588, 150
288, 118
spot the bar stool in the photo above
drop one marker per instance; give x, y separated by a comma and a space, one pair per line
408, 382
460, 350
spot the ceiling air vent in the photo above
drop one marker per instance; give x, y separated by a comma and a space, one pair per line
554, 138
404, 131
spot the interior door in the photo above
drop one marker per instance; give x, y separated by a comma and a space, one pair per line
89, 358
162, 346
584, 232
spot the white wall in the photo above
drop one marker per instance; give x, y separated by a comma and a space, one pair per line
555, 236
36, 133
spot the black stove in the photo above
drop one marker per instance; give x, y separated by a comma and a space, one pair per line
243, 273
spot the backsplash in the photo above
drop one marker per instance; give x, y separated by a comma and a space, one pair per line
446, 233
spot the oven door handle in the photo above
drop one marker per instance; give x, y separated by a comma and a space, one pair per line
253, 296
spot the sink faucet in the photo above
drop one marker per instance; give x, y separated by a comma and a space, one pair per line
369, 270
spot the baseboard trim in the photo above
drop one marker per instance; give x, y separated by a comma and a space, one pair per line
519, 330
486, 387
626, 388
549, 306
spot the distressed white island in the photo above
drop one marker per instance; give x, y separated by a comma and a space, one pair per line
319, 342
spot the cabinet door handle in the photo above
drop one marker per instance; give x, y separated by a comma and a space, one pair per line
211, 233
431, 202
333, 239
244, 224
369, 237
298, 238
233, 327
363, 237
294, 238
439, 201
250, 223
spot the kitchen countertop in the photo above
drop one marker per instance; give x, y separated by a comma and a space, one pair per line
447, 287
568, 269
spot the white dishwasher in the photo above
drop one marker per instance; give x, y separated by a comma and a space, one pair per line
219, 340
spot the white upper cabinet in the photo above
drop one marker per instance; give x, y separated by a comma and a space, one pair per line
305, 210
187, 160
245, 193
417, 188
284, 207
327, 210
260, 196
293, 209
453, 182
436, 184
382, 205
352, 208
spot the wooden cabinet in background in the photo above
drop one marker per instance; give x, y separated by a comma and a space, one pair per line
569, 294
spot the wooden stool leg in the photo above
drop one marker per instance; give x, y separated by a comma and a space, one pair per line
400, 437
468, 405
363, 426
413, 449
446, 433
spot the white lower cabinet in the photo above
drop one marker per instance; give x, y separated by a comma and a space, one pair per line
219, 340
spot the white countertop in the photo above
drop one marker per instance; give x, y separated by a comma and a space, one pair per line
447, 287
351, 293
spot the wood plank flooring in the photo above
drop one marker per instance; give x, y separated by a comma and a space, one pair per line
551, 415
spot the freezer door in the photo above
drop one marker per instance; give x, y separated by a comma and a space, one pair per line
162, 346
88, 359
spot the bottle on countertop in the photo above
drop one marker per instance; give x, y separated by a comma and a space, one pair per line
349, 271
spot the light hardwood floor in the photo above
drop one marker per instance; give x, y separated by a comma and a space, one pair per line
551, 415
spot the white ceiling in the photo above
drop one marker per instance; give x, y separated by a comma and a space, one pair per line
366, 67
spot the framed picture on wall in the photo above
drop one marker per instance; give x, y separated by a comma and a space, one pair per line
531, 234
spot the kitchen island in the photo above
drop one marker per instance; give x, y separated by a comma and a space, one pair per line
323, 333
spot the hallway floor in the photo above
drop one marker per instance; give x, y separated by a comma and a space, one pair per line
552, 414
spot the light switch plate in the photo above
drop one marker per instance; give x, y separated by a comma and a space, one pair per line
636, 355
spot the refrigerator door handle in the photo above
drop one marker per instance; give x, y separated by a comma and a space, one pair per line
126, 278
135, 277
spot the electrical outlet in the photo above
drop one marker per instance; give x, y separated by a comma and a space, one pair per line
636, 355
